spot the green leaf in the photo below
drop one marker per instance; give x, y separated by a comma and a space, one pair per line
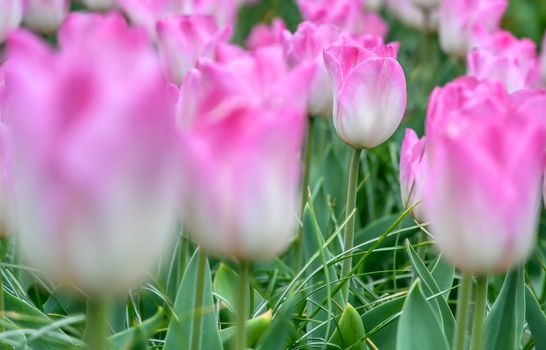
282, 329
536, 319
431, 289
443, 273
349, 333
382, 323
181, 325
255, 328
504, 323
125, 340
418, 327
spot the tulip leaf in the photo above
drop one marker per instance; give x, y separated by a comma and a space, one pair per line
443, 273
349, 333
128, 338
255, 328
504, 322
281, 329
313, 242
179, 332
536, 319
419, 327
431, 289
382, 323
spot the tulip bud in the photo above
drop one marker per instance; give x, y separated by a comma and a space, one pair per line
183, 40
241, 184
503, 57
460, 21
369, 92
11, 12
413, 171
306, 45
45, 16
483, 192
94, 167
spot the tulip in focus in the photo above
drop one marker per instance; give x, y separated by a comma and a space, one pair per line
242, 184
369, 92
306, 45
413, 171
503, 57
461, 21
94, 169
183, 40
11, 12
483, 193
45, 16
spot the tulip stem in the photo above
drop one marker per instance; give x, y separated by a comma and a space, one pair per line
242, 312
199, 296
463, 308
308, 154
96, 332
352, 184
479, 313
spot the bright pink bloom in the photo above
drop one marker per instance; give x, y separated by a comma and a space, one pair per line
242, 184
413, 172
94, 152
369, 92
183, 40
460, 21
412, 15
11, 12
307, 46
266, 35
346, 14
483, 191
45, 16
503, 57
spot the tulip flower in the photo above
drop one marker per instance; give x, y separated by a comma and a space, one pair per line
483, 193
413, 170
94, 152
306, 45
346, 14
460, 21
503, 57
11, 12
183, 40
45, 16
6, 195
369, 92
413, 15
242, 184
266, 35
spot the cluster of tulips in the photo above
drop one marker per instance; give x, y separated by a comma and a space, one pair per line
146, 115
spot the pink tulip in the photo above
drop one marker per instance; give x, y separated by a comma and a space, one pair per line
94, 152
346, 14
6, 195
183, 40
306, 45
413, 15
503, 57
413, 171
11, 12
263, 35
242, 184
369, 92
483, 192
460, 21
45, 16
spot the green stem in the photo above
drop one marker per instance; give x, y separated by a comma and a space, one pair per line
199, 296
298, 244
350, 227
183, 255
242, 312
96, 332
479, 313
463, 308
